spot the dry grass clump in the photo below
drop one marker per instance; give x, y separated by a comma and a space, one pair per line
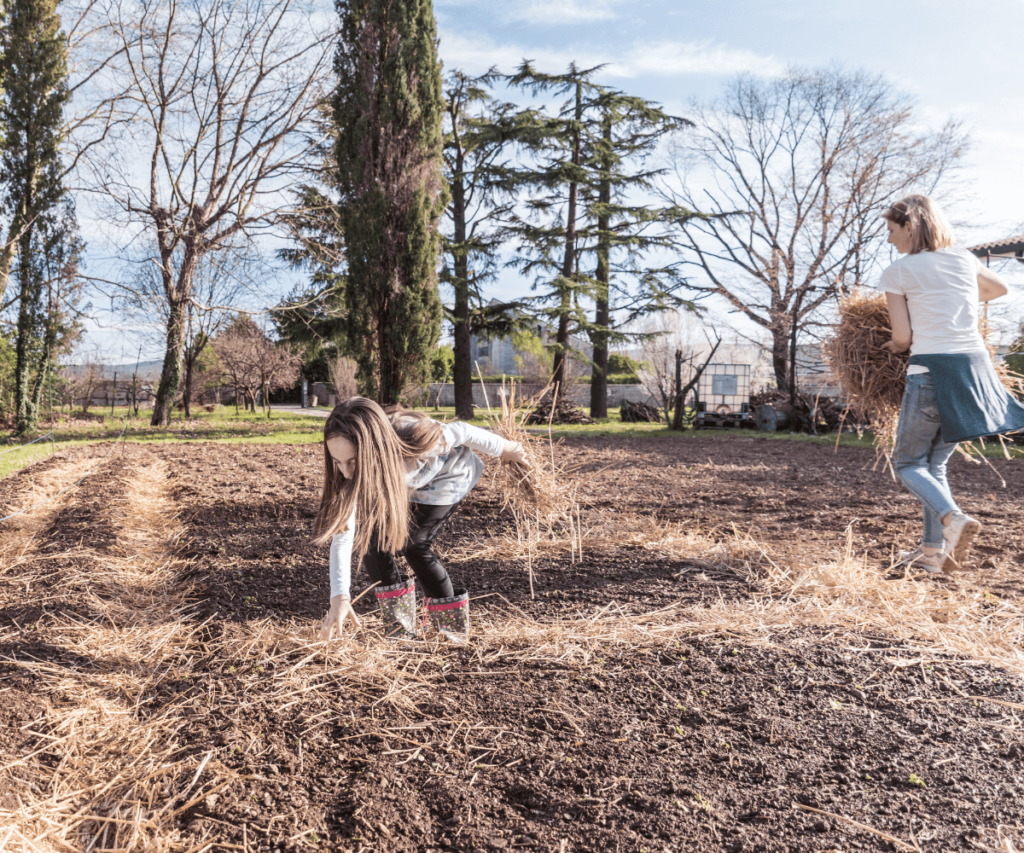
541, 495
872, 378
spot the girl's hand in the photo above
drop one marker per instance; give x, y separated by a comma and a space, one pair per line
341, 610
513, 452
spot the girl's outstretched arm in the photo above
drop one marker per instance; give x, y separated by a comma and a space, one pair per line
990, 285
483, 441
341, 574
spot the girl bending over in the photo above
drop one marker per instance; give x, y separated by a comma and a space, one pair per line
390, 483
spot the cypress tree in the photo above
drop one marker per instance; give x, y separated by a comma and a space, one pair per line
388, 111
34, 56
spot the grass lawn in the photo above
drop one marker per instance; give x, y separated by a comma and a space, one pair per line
224, 425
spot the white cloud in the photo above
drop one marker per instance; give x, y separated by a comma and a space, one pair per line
543, 12
561, 11
669, 58
476, 53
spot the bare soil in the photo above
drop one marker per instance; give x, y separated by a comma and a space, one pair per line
707, 744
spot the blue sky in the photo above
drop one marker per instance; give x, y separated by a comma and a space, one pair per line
954, 61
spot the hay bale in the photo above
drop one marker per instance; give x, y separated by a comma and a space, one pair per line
872, 378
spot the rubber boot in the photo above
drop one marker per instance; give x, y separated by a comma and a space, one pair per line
398, 609
450, 616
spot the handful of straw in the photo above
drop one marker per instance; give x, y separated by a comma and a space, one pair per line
540, 494
537, 487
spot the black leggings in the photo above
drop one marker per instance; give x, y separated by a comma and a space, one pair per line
425, 521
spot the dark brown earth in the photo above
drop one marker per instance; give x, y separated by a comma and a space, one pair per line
702, 745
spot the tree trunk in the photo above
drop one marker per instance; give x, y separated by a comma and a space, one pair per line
179, 293
677, 412
187, 394
462, 369
599, 376
25, 412
569, 260
170, 376
780, 352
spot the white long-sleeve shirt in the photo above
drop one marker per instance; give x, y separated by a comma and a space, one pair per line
441, 478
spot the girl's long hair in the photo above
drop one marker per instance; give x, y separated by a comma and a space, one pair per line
929, 228
377, 492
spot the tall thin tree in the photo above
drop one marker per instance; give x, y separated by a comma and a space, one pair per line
388, 111
33, 54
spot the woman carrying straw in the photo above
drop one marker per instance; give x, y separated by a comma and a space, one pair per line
390, 483
953, 393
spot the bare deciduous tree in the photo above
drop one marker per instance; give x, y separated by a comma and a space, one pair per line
805, 163
226, 97
343, 377
254, 362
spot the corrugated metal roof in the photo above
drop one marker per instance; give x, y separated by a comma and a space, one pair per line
1009, 246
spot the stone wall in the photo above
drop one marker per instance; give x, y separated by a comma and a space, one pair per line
579, 395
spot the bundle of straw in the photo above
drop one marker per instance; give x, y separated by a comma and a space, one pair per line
872, 378
538, 486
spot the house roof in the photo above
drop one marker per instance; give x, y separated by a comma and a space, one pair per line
1007, 247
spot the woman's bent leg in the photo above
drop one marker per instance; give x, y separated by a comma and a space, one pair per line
918, 445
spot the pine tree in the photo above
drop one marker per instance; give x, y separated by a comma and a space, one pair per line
388, 110
586, 183
553, 246
478, 132
627, 225
34, 56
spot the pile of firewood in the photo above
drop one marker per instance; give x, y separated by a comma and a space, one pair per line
635, 413
564, 413
812, 415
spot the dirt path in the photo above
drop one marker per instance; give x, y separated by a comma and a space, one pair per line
604, 715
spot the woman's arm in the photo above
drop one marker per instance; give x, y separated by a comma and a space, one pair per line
899, 319
990, 285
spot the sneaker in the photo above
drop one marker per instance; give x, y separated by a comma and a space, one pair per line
932, 564
908, 558
959, 535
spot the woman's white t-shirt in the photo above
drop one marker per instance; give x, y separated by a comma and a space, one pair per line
941, 288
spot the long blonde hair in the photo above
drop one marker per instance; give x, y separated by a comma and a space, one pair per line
929, 228
377, 492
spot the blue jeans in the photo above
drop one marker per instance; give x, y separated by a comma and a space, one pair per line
920, 455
